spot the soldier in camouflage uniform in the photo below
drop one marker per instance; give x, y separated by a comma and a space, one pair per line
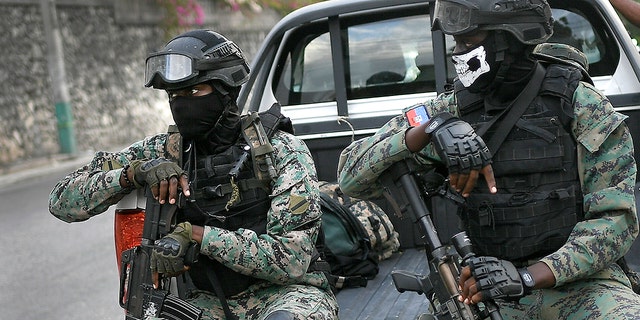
256, 219
551, 208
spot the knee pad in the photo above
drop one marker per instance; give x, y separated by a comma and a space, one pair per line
280, 315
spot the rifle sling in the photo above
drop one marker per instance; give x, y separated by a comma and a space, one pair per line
217, 287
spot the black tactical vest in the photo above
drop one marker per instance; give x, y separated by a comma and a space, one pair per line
539, 198
227, 193
213, 192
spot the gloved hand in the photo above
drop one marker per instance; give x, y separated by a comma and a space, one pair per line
169, 252
461, 149
151, 172
497, 279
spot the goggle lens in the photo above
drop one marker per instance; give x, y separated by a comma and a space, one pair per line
453, 18
171, 67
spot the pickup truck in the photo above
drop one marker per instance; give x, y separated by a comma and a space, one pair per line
342, 68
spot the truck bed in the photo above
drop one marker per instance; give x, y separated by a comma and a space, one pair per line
380, 299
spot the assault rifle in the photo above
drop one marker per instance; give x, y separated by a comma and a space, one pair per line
137, 295
440, 286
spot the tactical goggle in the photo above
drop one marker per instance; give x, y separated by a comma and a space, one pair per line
455, 18
171, 67
175, 67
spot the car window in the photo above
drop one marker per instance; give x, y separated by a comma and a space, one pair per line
382, 58
390, 57
306, 74
574, 29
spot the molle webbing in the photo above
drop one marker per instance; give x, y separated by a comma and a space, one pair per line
218, 177
539, 198
213, 187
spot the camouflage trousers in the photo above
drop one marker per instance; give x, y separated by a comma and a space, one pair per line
305, 302
605, 295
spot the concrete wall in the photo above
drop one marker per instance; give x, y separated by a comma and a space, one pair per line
104, 43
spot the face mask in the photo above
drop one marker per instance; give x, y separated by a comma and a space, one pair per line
471, 65
196, 116
477, 67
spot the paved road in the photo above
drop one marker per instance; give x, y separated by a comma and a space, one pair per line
50, 269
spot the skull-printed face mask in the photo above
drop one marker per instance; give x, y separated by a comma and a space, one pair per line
477, 66
471, 65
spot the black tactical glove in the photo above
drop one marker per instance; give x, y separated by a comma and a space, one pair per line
498, 279
461, 149
168, 256
151, 172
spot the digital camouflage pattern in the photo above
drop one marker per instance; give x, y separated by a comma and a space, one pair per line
282, 256
306, 302
589, 299
607, 172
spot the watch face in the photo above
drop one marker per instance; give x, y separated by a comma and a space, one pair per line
527, 278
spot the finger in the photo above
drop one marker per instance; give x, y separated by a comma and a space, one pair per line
453, 179
173, 189
475, 298
155, 191
468, 289
470, 183
155, 277
184, 183
163, 190
466, 282
487, 172
465, 274
462, 182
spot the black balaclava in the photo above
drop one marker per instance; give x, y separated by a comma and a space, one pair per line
211, 121
510, 82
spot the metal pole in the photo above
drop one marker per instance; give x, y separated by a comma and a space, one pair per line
66, 132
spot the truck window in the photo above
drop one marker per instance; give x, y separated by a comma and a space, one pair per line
390, 57
306, 76
382, 58
573, 28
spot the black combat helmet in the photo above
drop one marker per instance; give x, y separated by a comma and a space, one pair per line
529, 21
194, 57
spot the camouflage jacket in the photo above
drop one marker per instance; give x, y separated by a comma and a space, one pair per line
606, 168
281, 256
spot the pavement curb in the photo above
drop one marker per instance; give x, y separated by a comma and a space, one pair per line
40, 167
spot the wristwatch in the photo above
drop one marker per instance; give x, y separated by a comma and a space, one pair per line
527, 280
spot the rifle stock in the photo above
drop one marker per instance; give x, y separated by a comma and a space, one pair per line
137, 295
441, 284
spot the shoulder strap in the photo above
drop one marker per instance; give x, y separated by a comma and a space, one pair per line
512, 113
173, 145
273, 120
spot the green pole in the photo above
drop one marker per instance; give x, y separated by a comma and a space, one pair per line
66, 132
